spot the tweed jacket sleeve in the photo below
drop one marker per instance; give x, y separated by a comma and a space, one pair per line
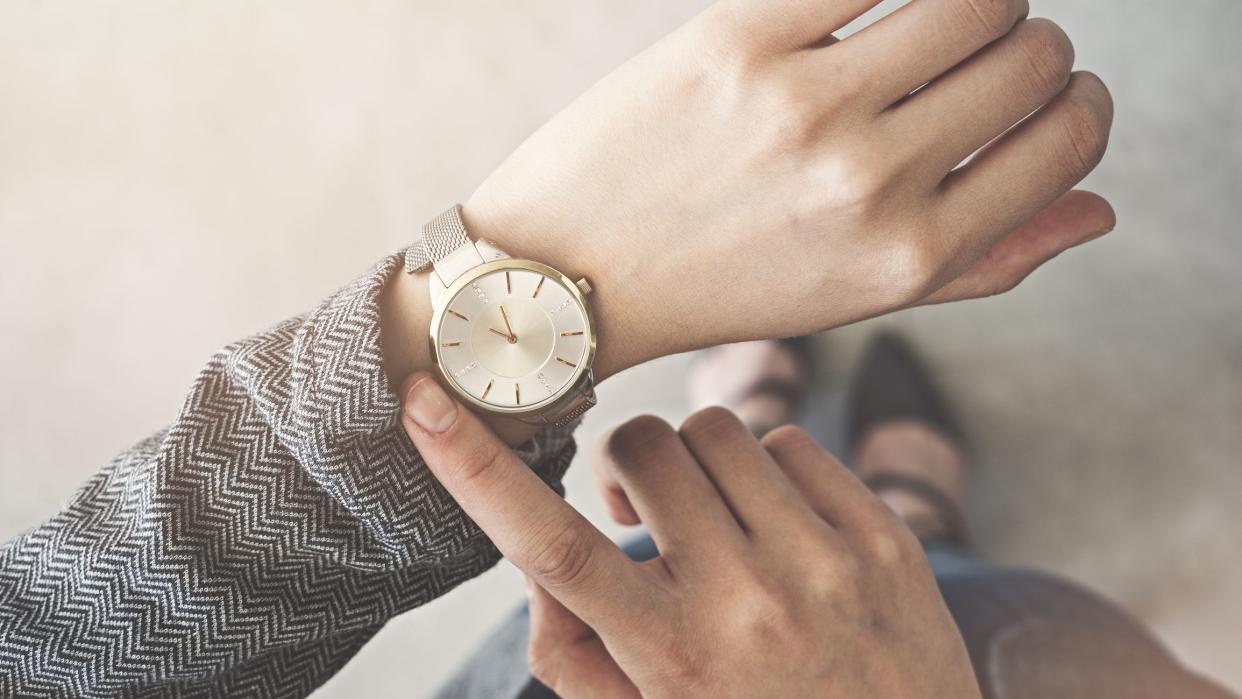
257, 543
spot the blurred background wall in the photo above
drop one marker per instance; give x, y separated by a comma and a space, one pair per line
176, 175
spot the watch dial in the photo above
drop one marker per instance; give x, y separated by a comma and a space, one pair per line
513, 339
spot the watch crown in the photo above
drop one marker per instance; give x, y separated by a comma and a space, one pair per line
584, 286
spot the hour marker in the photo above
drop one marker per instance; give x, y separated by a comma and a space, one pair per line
489, 388
450, 344
566, 362
458, 314
539, 286
571, 333
517, 394
508, 284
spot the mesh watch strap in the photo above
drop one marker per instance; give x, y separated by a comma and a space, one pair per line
569, 408
441, 236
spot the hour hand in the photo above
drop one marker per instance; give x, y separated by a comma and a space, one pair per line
504, 335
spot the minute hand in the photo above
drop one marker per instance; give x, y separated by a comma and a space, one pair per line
512, 337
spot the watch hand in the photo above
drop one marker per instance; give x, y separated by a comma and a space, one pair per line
504, 335
512, 337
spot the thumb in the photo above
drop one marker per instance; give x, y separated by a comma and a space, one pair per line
530, 524
610, 490
1075, 218
566, 655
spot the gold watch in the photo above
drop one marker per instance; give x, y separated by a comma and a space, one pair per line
512, 338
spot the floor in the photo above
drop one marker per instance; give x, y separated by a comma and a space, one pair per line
143, 144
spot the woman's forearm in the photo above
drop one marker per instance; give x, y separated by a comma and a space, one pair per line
259, 541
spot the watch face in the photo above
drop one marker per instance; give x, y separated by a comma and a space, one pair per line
513, 338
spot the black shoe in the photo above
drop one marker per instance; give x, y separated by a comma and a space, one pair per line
792, 392
891, 385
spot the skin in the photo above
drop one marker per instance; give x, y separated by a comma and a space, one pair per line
779, 574
728, 376
905, 447
750, 177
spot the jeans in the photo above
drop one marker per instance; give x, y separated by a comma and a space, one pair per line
1029, 635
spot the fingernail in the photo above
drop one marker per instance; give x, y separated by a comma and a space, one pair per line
429, 406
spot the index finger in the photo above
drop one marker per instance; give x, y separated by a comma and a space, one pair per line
530, 524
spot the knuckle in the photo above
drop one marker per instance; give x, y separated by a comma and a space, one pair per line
560, 558
1009, 275
1093, 86
767, 621
853, 181
992, 18
726, 24
883, 539
866, 179
713, 421
837, 580
638, 440
761, 610
886, 544
543, 667
479, 459
1087, 119
789, 438
795, 124
1003, 284
794, 118
539, 652
1050, 54
914, 265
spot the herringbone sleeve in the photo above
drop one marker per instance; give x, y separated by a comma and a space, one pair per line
254, 546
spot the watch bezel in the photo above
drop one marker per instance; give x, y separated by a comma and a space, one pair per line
469, 277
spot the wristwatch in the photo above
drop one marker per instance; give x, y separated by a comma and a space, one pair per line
512, 338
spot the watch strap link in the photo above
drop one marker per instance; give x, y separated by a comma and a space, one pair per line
571, 407
441, 236
447, 248
585, 402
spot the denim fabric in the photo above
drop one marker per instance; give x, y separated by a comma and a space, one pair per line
1029, 635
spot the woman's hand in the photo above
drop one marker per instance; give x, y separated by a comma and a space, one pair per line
779, 574
751, 177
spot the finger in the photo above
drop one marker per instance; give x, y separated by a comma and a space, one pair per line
923, 39
610, 490
1027, 168
750, 482
668, 489
530, 524
567, 655
833, 492
1075, 218
1000, 85
788, 25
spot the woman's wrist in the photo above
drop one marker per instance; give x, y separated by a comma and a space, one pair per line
624, 334
405, 317
627, 325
